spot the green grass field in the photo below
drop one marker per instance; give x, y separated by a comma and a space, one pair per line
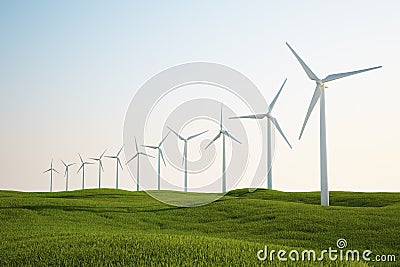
110, 227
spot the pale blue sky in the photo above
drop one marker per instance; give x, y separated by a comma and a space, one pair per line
68, 70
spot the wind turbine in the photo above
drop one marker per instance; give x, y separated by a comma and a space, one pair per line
66, 174
83, 170
184, 159
117, 163
223, 133
138, 164
100, 165
160, 155
274, 121
319, 93
51, 175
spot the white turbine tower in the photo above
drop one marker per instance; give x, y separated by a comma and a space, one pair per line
224, 133
184, 159
319, 93
51, 170
66, 174
138, 154
274, 121
160, 155
83, 163
100, 165
118, 162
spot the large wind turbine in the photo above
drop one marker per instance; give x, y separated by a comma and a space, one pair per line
118, 162
100, 165
138, 154
224, 133
51, 170
66, 174
83, 170
270, 120
160, 155
319, 93
184, 159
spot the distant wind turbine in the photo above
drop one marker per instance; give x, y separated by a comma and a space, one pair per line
66, 174
274, 121
51, 170
319, 93
83, 170
184, 159
224, 133
100, 165
118, 162
160, 155
138, 154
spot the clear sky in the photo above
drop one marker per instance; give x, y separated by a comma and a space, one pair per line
69, 69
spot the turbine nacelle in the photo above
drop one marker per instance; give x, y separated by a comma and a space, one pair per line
320, 83
138, 153
222, 131
114, 157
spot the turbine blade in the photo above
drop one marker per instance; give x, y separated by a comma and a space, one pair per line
56, 171
147, 155
64, 163
65, 173
180, 137
275, 122
110, 157
137, 149
132, 158
47, 170
195, 135
162, 156
101, 165
123, 147
152, 147
314, 100
255, 116
70, 164
345, 74
276, 97
80, 168
80, 158
230, 136
215, 138
102, 154
310, 74
94, 159
162, 141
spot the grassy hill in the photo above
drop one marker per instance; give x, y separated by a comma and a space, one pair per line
115, 227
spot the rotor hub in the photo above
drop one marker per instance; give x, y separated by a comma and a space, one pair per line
320, 83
